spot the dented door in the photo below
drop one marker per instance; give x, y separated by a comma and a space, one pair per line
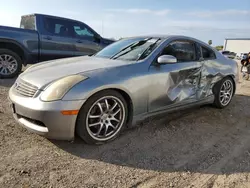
177, 83
174, 84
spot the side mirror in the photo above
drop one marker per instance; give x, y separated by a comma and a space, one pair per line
165, 59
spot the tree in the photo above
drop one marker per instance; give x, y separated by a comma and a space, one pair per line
210, 42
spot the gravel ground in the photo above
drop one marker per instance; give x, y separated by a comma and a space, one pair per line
202, 147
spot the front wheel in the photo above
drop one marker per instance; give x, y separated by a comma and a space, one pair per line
102, 117
223, 92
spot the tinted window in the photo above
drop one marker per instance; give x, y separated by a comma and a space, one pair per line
207, 53
57, 26
183, 51
28, 22
80, 30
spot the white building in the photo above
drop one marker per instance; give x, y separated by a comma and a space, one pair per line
237, 45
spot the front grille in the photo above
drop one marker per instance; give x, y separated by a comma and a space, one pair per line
26, 89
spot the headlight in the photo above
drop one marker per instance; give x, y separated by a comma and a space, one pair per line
59, 88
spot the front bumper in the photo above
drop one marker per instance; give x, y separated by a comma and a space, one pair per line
45, 118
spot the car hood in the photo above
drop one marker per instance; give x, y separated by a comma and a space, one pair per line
44, 73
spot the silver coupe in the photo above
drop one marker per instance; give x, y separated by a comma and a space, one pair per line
98, 96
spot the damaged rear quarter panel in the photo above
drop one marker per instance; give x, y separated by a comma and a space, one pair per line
187, 82
214, 71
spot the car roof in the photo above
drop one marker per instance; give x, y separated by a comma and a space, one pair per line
172, 36
163, 36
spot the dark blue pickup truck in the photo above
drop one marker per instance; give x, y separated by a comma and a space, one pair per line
42, 38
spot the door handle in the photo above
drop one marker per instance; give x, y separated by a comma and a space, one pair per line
48, 38
79, 41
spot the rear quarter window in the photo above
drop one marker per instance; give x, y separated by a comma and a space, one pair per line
207, 53
28, 22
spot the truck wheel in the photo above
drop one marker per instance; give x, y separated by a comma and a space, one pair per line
10, 64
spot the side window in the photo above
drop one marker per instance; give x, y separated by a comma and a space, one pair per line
57, 27
80, 30
184, 51
207, 53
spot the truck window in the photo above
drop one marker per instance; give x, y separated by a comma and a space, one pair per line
28, 22
57, 27
80, 30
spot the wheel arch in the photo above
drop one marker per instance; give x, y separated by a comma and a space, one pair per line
13, 46
125, 95
129, 101
234, 81
231, 76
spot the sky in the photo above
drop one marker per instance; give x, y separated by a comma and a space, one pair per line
203, 19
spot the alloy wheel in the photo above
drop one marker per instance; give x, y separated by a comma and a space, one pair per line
105, 118
8, 64
226, 92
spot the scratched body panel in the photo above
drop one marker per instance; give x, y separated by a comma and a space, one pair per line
174, 84
212, 72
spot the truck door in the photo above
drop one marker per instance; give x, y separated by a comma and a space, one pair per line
86, 40
56, 39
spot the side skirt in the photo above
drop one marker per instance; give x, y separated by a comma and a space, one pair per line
137, 119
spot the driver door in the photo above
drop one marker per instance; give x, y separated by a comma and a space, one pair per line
175, 84
86, 42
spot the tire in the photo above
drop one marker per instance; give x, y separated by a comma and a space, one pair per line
218, 92
85, 121
16, 63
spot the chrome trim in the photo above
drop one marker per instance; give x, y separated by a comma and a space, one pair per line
24, 88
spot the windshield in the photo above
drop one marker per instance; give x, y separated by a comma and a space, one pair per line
132, 49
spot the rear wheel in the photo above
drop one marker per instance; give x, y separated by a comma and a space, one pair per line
102, 117
223, 92
10, 64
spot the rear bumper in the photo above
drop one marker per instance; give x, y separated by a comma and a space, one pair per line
45, 118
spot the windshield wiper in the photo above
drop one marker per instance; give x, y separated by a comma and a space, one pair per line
131, 46
149, 48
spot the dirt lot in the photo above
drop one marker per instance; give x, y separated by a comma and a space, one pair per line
202, 147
